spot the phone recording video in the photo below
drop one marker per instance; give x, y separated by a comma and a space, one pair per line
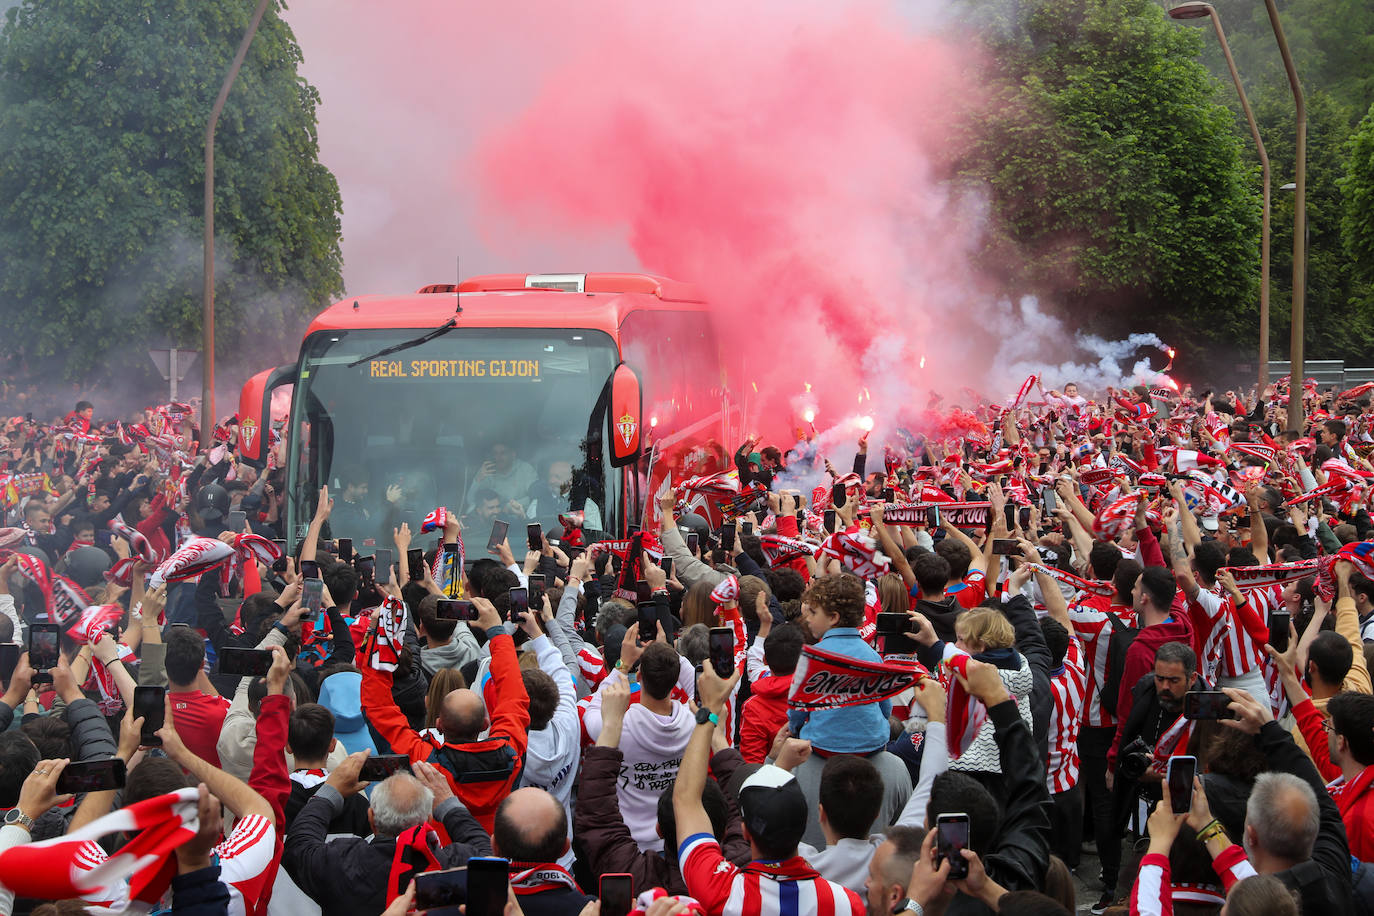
892, 624
454, 609
344, 548
536, 584
727, 537
244, 662
933, 517
722, 651
1006, 547
617, 894
367, 570
382, 564
746, 527
441, 890
534, 536
42, 650
1278, 630
837, 495
647, 617
519, 602
235, 521
667, 567
951, 838
310, 569
693, 543
91, 776
280, 564
149, 705
499, 530
1180, 775
378, 767
1207, 704
415, 563
488, 880
312, 594
828, 520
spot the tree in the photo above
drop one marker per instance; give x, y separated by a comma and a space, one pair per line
102, 119
1357, 222
1118, 181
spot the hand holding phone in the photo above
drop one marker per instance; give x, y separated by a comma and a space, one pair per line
150, 706
245, 662
488, 881
722, 651
379, 767
499, 529
1180, 775
91, 776
382, 564
951, 839
534, 536
1278, 630
42, 651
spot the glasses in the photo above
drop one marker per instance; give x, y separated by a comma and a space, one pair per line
1328, 727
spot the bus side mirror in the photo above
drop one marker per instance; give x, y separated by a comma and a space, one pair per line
624, 417
255, 412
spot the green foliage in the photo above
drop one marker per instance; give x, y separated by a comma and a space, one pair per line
1119, 184
102, 118
1357, 222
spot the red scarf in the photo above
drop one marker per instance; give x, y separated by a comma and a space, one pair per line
533, 879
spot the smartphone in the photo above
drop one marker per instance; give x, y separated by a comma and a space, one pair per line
244, 662
434, 889
149, 705
499, 529
310, 569
893, 624
9, 660
91, 776
415, 563
1009, 513
236, 520
722, 651
1207, 704
367, 570
536, 584
837, 496
344, 548
951, 838
488, 883
667, 567
42, 650
617, 894
1024, 517
746, 527
282, 561
519, 602
1278, 630
642, 592
828, 520
727, 538
534, 536
312, 594
1006, 547
933, 517
1051, 503
1180, 775
693, 543
382, 566
889, 495
454, 609
379, 766
648, 621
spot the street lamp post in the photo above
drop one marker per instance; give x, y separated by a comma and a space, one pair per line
1196, 10
1295, 410
207, 391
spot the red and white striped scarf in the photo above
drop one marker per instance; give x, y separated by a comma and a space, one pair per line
384, 649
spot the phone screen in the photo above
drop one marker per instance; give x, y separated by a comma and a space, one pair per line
667, 567
280, 564
382, 565
91, 776
488, 880
1182, 769
149, 706
1006, 547
837, 495
375, 769
236, 521
367, 570
727, 538
244, 662
642, 592
310, 569
536, 584
722, 650
693, 544
312, 594
617, 894
1024, 517
1207, 704
828, 519
499, 530
892, 624
435, 889
1050, 502
519, 602
42, 646
888, 495
534, 536
951, 838
648, 621
344, 547
1278, 630
932, 517
415, 563
746, 527
454, 609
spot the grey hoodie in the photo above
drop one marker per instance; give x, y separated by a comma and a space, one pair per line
455, 653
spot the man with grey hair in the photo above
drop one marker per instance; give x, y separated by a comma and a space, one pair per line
352, 876
1293, 829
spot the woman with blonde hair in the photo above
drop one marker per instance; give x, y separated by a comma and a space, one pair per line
892, 594
987, 635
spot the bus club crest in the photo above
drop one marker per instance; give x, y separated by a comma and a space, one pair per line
248, 431
627, 427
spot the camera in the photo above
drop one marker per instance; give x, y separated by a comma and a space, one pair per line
1133, 761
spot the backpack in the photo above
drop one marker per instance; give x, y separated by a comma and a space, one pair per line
1117, 645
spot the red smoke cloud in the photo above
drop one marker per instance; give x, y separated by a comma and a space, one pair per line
789, 159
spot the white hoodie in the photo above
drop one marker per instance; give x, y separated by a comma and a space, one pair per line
652, 746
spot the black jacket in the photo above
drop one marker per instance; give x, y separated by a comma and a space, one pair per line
1030, 642
1018, 860
1323, 882
347, 876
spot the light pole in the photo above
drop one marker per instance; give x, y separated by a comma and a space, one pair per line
1295, 410
1195, 9
207, 391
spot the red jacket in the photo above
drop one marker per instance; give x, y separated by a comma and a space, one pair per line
764, 713
1356, 802
1140, 661
506, 741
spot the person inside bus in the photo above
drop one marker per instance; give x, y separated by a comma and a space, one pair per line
486, 508
552, 496
505, 475
352, 511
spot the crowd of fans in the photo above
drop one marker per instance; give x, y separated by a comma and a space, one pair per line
1135, 624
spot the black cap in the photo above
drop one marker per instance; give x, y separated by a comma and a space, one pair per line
773, 805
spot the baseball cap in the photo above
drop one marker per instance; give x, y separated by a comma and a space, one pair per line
772, 804
341, 694
1209, 522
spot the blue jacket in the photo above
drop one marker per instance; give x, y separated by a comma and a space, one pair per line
849, 729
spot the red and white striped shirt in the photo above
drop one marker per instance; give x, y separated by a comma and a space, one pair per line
1069, 686
789, 888
1089, 618
1226, 648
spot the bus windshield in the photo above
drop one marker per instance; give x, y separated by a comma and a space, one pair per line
494, 423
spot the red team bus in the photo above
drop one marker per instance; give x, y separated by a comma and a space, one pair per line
514, 397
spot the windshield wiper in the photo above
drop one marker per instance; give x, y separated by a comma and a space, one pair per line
407, 344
